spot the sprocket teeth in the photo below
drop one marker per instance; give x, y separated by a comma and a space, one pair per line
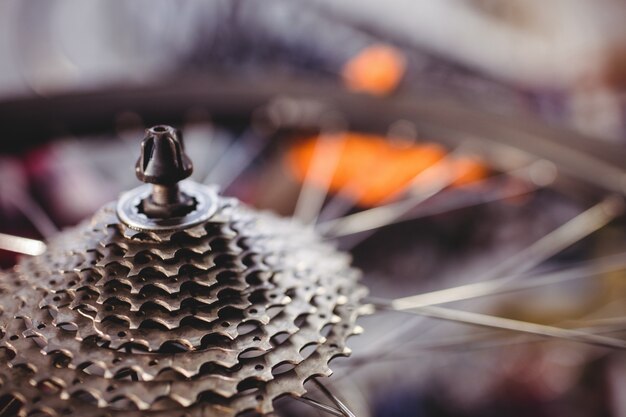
118, 322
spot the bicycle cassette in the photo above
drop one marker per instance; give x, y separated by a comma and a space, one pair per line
174, 301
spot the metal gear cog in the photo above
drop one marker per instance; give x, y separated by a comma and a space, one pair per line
207, 308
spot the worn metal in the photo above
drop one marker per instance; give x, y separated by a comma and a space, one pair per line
208, 319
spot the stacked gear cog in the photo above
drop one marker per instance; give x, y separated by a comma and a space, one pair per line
215, 310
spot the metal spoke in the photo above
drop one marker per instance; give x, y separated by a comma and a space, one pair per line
567, 234
344, 200
320, 406
322, 166
450, 201
202, 132
36, 216
338, 227
21, 245
562, 237
495, 322
220, 149
395, 212
8, 406
392, 354
231, 152
494, 340
377, 217
487, 340
340, 205
345, 411
500, 286
393, 333
13, 191
473, 341
237, 159
413, 187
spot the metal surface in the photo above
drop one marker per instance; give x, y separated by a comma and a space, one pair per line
208, 318
129, 212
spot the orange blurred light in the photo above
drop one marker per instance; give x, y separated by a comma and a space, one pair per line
372, 169
377, 70
468, 169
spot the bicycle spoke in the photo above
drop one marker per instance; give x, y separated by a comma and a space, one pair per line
255, 146
236, 159
220, 149
343, 200
374, 218
490, 340
8, 407
536, 175
466, 343
232, 151
36, 216
562, 237
499, 286
395, 332
320, 406
340, 204
202, 132
495, 322
485, 340
377, 219
14, 192
345, 411
474, 341
567, 234
450, 202
392, 354
21, 245
322, 166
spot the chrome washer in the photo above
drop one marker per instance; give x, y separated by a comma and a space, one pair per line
129, 203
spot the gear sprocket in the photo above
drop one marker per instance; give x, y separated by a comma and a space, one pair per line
215, 309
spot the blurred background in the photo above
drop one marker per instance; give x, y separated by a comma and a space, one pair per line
479, 127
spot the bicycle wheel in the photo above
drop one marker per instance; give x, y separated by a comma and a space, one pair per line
512, 223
